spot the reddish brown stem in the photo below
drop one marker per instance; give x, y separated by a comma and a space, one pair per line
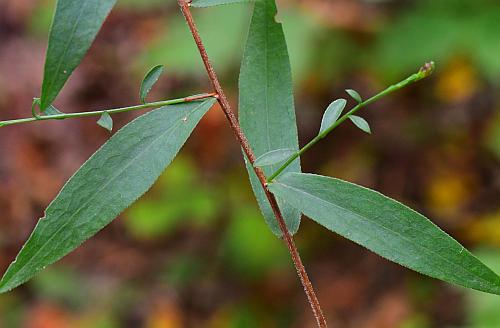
200, 97
233, 122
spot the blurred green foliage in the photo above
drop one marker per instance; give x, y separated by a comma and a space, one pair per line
177, 199
441, 30
483, 309
250, 248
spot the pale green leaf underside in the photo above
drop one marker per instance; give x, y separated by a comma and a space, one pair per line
267, 111
274, 157
361, 123
386, 227
122, 170
149, 81
106, 122
211, 3
332, 114
74, 27
354, 95
51, 111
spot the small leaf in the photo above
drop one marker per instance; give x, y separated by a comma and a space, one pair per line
355, 95
332, 114
360, 123
74, 27
274, 157
149, 81
121, 171
106, 121
210, 3
386, 227
51, 111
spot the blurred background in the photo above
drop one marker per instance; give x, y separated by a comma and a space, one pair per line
194, 251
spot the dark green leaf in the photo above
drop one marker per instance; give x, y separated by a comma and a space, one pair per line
112, 179
267, 112
332, 114
386, 227
149, 80
360, 123
355, 95
106, 121
210, 3
274, 157
74, 27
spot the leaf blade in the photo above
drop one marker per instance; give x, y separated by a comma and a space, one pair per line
354, 95
386, 227
332, 114
122, 170
51, 111
267, 111
274, 157
361, 123
105, 121
149, 81
74, 27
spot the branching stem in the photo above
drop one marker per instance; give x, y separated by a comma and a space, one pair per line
240, 136
425, 71
64, 116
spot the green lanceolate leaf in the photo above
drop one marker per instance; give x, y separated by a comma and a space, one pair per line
106, 121
74, 27
121, 171
361, 123
332, 114
149, 80
274, 157
354, 95
267, 113
211, 3
386, 227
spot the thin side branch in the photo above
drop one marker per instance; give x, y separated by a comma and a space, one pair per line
240, 136
63, 116
425, 71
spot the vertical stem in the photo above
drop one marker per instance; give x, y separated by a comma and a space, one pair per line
235, 127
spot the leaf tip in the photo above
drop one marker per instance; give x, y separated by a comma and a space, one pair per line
149, 81
106, 121
332, 114
354, 95
361, 123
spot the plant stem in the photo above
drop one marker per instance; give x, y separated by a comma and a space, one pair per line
240, 136
425, 71
109, 111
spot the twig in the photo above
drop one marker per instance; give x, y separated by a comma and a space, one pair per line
64, 116
424, 72
233, 122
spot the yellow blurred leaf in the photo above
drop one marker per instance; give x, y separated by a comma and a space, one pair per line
486, 229
447, 192
458, 82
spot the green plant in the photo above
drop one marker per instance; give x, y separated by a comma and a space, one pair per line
131, 161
